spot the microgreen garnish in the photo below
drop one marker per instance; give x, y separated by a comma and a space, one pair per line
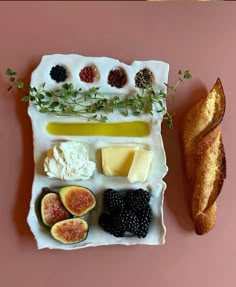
94, 105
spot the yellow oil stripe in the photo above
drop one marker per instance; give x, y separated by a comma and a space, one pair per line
125, 129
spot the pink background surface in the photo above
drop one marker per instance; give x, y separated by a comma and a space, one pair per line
195, 36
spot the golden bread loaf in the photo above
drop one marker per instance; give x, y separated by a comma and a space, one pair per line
204, 157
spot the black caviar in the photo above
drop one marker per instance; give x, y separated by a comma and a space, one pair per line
58, 73
117, 78
143, 78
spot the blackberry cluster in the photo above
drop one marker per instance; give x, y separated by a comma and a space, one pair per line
58, 73
127, 220
106, 221
137, 199
127, 213
113, 201
144, 216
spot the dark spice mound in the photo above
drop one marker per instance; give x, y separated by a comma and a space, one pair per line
117, 78
87, 74
143, 78
58, 73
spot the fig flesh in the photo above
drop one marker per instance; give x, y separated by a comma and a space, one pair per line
78, 200
52, 209
70, 231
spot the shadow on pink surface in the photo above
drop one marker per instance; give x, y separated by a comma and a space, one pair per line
23, 196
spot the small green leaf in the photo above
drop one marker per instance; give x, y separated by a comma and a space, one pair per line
54, 104
103, 119
166, 85
20, 85
8, 71
169, 122
33, 89
67, 86
48, 94
120, 104
187, 75
43, 110
41, 96
12, 79
45, 103
25, 98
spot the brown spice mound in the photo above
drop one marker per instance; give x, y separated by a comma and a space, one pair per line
143, 78
117, 78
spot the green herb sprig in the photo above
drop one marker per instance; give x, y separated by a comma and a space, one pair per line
13, 80
92, 104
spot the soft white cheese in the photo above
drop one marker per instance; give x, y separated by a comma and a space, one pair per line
68, 161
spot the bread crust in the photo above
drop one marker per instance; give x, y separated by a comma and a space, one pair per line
204, 157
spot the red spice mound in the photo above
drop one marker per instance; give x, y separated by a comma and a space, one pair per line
87, 74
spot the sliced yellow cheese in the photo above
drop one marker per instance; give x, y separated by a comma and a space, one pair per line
116, 160
140, 167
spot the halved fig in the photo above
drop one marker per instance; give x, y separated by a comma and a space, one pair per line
78, 200
70, 231
52, 209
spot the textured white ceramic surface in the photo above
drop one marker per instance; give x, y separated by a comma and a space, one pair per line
43, 141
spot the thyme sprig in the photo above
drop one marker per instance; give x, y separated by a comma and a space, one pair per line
94, 105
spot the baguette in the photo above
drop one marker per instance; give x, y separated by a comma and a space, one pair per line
204, 157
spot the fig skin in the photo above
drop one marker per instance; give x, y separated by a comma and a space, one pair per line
78, 200
52, 209
70, 231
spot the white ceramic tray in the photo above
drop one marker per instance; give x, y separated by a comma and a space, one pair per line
43, 141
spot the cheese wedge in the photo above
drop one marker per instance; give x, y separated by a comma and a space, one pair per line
117, 160
140, 167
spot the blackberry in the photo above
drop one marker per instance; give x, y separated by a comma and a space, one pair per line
137, 199
113, 200
145, 219
106, 221
127, 220
58, 73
